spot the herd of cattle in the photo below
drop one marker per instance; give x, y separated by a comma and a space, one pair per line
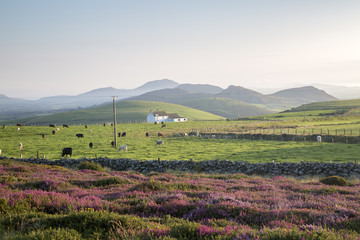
68, 151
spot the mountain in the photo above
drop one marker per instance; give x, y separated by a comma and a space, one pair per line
232, 102
201, 88
306, 94
127, 111
103, 95
156, 85
247, 95
226, 107
340, 92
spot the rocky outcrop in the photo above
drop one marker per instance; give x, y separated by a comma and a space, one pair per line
215, 166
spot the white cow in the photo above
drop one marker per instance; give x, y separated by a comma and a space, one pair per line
318, 138
20, 146
160, 142
18, 129
122, 148
0, 151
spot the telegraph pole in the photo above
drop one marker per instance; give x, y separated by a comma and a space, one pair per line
114, 111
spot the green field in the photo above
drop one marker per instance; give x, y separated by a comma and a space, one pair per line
312, 120
175, 146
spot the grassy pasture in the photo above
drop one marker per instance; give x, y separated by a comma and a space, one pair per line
180, 148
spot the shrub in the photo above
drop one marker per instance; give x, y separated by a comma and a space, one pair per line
334, 180
53, 234
91, 166
151, 185
109, 181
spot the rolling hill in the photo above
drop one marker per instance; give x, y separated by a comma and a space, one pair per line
225, 107
329, 105
127, 111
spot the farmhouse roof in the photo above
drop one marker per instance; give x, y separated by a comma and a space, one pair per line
160, 113
163, 113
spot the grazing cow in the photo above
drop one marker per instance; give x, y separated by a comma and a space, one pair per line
0, 151
80, 135
18, 129
19, 125
119, 134
58, 129
65, 125
318, 139
161, 135
123, 134
52, 125
20, 146
122, 148
43, 136
4, 126
160, 142
86, 126
147, 134
91, 145
164, 125
104, 124
112, 143
66, 151
186, 135
53, 132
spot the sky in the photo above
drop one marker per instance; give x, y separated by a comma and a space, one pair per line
70, 47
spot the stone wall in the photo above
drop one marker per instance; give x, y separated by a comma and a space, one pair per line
284, 137
215, 166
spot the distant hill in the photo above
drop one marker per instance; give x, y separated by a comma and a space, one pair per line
236, 101
330, 105
340, 92
248, 102
201, 88
103, 95
306, 94
127, 111
229, 108
248, 95
15, 108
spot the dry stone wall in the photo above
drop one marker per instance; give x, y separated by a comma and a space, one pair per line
215, 166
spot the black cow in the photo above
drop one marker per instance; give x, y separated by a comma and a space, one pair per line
53, 132
119, 134
91, 145
123, 134
80, 135
86, 126
112, 143
52, 125
147, 134
161, 135
66, 151
19, 125
65, 125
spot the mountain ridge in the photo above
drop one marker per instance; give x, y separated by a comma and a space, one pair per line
169, 91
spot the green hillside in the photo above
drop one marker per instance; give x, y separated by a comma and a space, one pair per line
127, 111
229, 108
330, 105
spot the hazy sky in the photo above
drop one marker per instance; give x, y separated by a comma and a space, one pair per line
73, 46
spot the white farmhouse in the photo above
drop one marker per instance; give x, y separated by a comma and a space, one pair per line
162, 116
